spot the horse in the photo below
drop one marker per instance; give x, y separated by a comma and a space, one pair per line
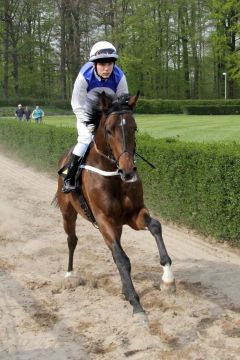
112, 191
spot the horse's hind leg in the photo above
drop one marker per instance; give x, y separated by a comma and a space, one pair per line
69, 223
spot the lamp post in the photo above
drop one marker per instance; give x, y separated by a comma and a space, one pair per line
225, 81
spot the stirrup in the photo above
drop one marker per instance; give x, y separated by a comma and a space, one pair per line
68, 187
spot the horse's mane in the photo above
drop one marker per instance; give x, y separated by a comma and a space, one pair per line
94, 110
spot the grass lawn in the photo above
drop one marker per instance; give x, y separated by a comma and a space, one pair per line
207, 128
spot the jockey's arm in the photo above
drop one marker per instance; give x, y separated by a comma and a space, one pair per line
122, 86
79, 96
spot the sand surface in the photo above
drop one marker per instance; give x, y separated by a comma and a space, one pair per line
43, 316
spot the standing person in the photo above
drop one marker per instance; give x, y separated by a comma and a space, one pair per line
27, 113
98, 75
37, 115
19, 113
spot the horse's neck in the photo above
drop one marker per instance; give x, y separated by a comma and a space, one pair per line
100, 155
100, 141
101, 151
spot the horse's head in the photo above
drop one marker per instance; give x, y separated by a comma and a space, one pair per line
116, 133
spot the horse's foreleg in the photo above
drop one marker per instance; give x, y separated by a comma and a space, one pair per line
144, 220
112, 237
155, 228
124, 267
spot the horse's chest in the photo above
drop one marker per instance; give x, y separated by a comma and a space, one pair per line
127, 201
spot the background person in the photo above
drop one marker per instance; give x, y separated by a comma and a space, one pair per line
98, 75
27, 113
19, 113
37, 115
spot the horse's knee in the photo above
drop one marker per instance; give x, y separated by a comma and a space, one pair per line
138, 222
154, 226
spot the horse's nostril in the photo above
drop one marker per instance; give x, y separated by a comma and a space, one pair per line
128, 176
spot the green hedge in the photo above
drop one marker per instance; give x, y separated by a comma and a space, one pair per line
39, 145
194, 184
158, 106
212, 110
145, 106
61, 104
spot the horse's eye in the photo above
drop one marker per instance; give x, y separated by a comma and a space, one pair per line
108, 132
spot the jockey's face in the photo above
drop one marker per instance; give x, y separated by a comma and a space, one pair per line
104, 69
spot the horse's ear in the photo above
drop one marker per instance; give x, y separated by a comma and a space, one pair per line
133, 100
104, 102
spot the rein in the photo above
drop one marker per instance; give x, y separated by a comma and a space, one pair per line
102, 154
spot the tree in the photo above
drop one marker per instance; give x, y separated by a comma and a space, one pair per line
225, 37
168, 48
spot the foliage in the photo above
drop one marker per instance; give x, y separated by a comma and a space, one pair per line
194, 184
212, 110
38, 145
175, 49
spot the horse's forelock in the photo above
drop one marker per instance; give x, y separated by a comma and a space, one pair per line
102, 103
119, 104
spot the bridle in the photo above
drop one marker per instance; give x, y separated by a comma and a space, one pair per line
110, 156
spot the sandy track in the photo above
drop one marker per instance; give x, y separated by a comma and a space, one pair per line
43, 317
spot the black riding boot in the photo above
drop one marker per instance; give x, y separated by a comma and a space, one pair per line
69, 181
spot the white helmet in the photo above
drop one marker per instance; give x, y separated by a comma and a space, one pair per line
103, 50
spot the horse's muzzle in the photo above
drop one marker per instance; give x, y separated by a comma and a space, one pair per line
126, 167
128, 176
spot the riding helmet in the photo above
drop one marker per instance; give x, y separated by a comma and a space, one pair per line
102, 51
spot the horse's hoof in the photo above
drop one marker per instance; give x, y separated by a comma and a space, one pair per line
140, 318
72, 280
168, 287
69, 273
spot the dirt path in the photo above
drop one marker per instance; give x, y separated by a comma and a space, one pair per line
42, 317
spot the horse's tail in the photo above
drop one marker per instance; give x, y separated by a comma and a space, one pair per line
55, 201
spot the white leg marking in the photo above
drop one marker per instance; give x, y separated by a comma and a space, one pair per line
167, 274
68, 274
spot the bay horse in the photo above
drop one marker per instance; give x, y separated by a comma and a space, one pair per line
113, 191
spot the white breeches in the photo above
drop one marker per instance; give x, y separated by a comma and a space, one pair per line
85, 136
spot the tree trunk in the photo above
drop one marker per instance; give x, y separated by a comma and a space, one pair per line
195, 78
184, 38
62, 10
6, 50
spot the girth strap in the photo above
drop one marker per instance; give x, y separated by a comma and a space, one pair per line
86, 209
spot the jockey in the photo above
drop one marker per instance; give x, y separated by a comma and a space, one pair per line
98, 75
